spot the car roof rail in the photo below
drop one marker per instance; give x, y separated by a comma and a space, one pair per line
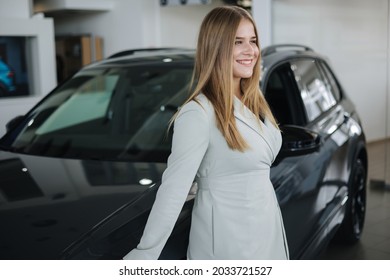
275, 48
133, 51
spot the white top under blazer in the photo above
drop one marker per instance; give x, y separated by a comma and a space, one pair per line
236, 214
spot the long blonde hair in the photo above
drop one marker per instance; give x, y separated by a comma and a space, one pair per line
213, 73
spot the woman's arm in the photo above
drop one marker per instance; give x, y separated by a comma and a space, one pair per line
189, 144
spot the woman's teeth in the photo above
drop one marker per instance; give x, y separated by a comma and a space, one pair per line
245, 62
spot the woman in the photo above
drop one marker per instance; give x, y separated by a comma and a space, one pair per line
220, 139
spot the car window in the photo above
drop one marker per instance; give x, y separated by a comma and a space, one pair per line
113, 113
281, 95
316, 96
330, 80
94, 93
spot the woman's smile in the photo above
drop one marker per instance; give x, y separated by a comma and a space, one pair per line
246, 62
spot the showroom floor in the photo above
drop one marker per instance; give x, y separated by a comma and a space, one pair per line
375, 242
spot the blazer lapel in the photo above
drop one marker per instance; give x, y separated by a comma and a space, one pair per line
242, 113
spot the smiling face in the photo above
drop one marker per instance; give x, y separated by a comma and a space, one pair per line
245, 51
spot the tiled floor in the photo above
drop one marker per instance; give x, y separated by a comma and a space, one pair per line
375, 242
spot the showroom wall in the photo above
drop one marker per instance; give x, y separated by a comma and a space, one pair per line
129, 24
354, 35
137, 24
180, 24
16, 19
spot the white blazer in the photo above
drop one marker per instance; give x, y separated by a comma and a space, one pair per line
236, 214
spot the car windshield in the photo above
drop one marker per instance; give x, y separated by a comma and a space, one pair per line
119, 113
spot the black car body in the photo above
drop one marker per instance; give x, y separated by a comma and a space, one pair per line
79, 172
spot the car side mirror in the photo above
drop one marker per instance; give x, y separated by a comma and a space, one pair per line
298, 141
13, 123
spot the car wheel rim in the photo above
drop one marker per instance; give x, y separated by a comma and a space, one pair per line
359, 200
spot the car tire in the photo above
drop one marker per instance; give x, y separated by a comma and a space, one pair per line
352, 226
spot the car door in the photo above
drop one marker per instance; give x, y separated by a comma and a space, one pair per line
306, 185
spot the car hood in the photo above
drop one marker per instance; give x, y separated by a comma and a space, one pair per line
49, 204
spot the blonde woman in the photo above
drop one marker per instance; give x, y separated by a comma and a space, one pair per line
226, 138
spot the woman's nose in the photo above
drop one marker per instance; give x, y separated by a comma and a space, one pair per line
249, 49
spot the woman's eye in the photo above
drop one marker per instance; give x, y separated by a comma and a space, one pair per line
237, 42
254, 41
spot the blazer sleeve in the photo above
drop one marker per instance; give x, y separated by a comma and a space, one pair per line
189, 144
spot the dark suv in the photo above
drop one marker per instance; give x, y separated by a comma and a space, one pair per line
79, 172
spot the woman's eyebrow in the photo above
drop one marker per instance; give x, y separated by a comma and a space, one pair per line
253, 37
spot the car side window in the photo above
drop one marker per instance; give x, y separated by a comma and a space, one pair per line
282, 96
316, 95
331, 81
